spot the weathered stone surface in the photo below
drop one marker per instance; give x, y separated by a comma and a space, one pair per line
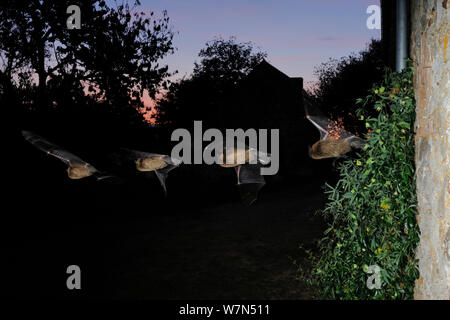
430, 54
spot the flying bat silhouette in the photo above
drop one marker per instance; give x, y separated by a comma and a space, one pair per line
247, 163
76, 167
160, 164
334, 141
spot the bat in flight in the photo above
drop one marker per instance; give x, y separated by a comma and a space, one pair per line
76, 167
247, 163
334, 141
160, 164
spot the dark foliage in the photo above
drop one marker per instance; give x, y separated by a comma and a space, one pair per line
47, 67
372, 209
342, 81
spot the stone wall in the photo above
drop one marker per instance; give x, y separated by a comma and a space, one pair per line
430, 54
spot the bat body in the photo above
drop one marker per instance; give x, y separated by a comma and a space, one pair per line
247, 163
151, 163
334, 141
76, 167
329, 148
160, 164
240, 155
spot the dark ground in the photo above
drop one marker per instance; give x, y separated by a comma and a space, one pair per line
220, 252
226, 252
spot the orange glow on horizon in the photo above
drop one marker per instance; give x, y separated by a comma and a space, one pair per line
148, 111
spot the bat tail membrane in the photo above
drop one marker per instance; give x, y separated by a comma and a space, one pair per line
249, 173
249, 192
162, 177
310, 151
256, 157
250, 182
30, 136
174, 161
27, 134
103, 175
264, 158
356, 142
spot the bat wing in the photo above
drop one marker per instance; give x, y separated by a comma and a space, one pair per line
325, 126
250, 182
315, 116
321, 124
52, 149
134, 154
65, 156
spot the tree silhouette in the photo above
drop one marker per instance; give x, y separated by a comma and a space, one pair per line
342, 81
204, 95
125, 60
114, 56
226, 61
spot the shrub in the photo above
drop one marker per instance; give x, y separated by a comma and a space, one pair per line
371, 210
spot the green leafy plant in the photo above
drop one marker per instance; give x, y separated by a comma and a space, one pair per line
371, 210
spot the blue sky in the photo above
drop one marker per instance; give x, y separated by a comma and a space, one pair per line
296, 34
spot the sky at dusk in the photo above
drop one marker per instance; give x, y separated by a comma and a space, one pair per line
296, 34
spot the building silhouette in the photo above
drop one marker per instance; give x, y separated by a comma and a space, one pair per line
269, 99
